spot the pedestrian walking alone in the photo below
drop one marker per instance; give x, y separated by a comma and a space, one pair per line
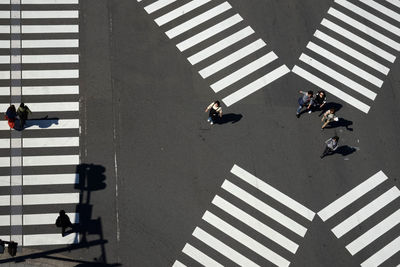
304, 101
11, 115
63, 221
215, 112
318, 102
23, 112
328, 117
330, 146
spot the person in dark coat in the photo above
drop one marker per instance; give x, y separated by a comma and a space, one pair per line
23, 112
11, 115
63, 221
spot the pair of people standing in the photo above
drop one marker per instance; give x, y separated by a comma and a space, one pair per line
311, 102
22, 113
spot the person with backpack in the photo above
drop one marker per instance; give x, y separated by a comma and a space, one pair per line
11, 115
23, 112
215, 112
330, 146
305, 101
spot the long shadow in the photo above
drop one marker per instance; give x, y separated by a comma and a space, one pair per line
44, 122
340, 123
345, 150
230, 117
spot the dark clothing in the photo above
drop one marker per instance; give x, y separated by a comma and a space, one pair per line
23, 114
11, 114
331, 146
213, 114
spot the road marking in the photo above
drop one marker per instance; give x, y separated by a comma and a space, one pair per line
258, 226
47, 218
352, 195
187, 25
272, 192
45, 199
50, 239
5, 180
50, 74
53, 160
364, 28
394, 2
232, 58
5, 44
5, 75
225, 250
50, 43
366, 212
49, 14
383, 254
157, 5
5, 200
180, 11
5, 29
5, 14
5, 143
384, 10
51, 90
224, 43
213, 30
41, 2
369, 16
49, 28
331, 89
345, 64
50, 142
5, 161
351, 52
244, 71
337, 76
358, 40
5, 90
264, 208
256, 85
374, 233
5, 59
49, 107
199, 256
51, 179
178, 264
41, 59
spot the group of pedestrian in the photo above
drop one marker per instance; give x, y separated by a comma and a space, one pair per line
22, 113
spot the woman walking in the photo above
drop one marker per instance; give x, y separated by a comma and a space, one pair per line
215, 112
11, 115
328, 117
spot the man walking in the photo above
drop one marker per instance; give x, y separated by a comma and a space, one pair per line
215, 112
63, 221
23, 112
330, 146
304, 101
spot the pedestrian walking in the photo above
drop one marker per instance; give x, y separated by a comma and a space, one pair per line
318, 102
23, 112
330, 146
328, 117
304, 101
11, 115
63, 221
215, 112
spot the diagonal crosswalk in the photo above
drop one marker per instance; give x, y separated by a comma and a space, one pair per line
385, 202
352, 50
240, 217
241, 73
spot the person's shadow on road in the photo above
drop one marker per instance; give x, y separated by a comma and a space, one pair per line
340, 123
345, 150
42, 123
230, 117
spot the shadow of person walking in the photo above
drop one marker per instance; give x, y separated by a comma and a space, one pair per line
230, 117
340, 123
345, 150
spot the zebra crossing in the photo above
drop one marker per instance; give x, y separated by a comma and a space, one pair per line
375, 250
39, 65
210, 46
235, 230
352, 50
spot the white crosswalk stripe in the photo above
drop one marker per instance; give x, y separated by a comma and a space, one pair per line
361, 28
219, 38
240, 222
354, 223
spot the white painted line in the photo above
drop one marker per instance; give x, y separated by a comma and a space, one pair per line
50, 239
255, 85
264, 208
50, 28
365, 29
33, 2
338, 77
5, 143
331, 89
5, 2
176, 263
180, 11
345, 64
213, 30
49, 14
5, 75
50, 160
5, 200
5, 29
384, 10
219, 46
47, 218
50, 74
50, 142
351, 52
225, 250
51, 179
5, 14
187, 25
369, 16
383, 254
358, 40
272, 192
39, 59
50, 90
366, 212
5, 237
45, 199
50, 43
5, 161
5, 90
199, 256
49, 107
258, 226
5, 220
352, 195
5, 180
374, 233
4, 43
232, 58
394, 2
5, 59
157, 5
245, 240
46, 124
244, 71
